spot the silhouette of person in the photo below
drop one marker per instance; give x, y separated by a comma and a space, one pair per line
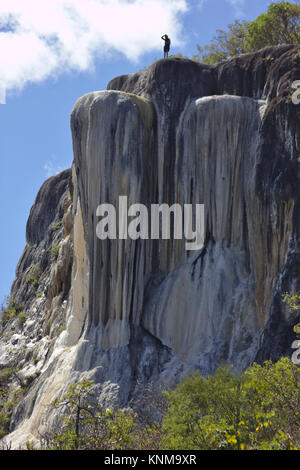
167, 40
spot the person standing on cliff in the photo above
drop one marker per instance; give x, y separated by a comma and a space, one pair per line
167, 40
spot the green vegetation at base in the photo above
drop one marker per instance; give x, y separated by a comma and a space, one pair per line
87, 425
257, 410
10, 396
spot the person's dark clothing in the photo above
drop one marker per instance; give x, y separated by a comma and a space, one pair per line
167, 44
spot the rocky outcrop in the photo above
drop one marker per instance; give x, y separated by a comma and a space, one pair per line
140, 311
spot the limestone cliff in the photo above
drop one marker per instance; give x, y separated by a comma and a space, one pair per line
128, 312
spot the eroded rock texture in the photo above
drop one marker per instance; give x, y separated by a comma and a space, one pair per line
140, 311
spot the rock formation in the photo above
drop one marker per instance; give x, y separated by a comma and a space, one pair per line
128, 312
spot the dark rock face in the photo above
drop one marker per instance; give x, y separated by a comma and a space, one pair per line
254, 75
47, 206
44, 229
134, 313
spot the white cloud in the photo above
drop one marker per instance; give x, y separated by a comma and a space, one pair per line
53, 166
42, 38
2, 94
197, 4
238, 7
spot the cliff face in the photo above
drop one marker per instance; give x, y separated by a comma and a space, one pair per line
140, 311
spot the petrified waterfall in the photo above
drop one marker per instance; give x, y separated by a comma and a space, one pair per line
201, 297
140, 311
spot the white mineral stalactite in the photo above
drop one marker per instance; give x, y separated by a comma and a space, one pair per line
114, 158
217, 143
198, 307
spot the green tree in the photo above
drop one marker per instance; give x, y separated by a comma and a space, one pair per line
11, 310
10, 396
87, 425
205, 413
254, 410
225, 44
78, 410
276, 395
280, 25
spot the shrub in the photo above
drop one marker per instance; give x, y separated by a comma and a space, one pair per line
22, 317
56, 227
87, 425
10, 396
11, 311
258, 409
55, 251
34, 275
60, 330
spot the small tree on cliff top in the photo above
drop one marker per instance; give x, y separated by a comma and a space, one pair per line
280, 25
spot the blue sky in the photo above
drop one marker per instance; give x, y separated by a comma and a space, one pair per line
54, 51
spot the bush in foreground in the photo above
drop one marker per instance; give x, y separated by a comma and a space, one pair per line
259, 409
